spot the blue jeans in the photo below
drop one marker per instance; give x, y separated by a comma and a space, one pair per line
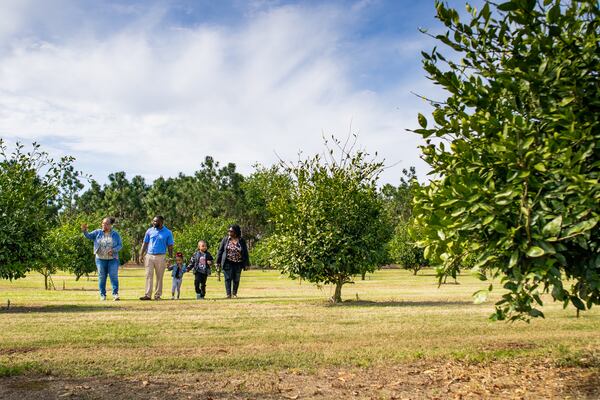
110, 268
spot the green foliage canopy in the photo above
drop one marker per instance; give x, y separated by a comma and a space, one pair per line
330, 225
403, 247
209, 229
31, 184
516, 148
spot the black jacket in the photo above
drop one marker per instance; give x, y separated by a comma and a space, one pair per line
195, 266
222, 254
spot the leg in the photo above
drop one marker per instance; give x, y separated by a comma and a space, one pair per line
149, 264
227, 278
102, 266
237, 273
197, 281
113, 273
160, 267
173, 287
203, 278
179, 282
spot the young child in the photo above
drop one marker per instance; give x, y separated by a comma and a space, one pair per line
200, 263
179, 268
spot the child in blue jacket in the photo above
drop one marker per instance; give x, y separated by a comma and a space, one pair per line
178, 269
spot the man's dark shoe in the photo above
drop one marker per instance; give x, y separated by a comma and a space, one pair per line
145, 298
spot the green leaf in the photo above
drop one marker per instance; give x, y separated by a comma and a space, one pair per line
422, 121
508, 6
535, 313
514, 258
540, 167
535, 251
552, 228
566, 100
577, 303
582, 227
554, 13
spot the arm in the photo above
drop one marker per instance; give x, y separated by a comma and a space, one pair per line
170, 243
221, 251
144, 250
192, 262
245, 254
89, 235
117, 244
145, 245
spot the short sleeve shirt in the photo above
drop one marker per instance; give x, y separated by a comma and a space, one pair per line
158, 240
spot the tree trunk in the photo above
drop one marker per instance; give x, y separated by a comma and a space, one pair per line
415, 270
46, 281
363, 276
337, 297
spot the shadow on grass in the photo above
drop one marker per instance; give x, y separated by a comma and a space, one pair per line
366, 303
62, 308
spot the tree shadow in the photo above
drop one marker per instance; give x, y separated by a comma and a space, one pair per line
61, 308
433, 303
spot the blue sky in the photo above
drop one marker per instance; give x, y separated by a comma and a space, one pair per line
151, 87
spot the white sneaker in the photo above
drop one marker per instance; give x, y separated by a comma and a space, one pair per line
102, 298
116, 297
172, 297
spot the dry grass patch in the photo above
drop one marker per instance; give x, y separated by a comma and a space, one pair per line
278, 326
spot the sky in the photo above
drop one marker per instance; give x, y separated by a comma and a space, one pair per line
152, 87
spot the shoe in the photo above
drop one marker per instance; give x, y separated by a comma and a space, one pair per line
172, 297
198, 296
102, 298
145, 298
156, 297
116, 297
235, 296
228, 296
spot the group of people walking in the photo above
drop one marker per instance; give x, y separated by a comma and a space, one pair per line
232, 258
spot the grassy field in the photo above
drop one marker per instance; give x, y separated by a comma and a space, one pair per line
285, 331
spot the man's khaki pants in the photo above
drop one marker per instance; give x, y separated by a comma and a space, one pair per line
154, 263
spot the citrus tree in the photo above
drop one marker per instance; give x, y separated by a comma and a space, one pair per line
329, 224
30, 189
403, 247
515, 149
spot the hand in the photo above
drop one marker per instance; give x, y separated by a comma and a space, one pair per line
110, 252
84, 227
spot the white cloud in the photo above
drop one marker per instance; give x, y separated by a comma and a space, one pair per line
154, 100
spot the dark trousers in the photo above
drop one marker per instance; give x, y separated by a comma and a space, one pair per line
232, 273
200, 284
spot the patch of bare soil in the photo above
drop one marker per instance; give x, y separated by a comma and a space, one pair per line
418, 380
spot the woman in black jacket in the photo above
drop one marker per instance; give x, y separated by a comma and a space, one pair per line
232, 258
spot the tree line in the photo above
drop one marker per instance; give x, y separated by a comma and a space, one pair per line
197, 206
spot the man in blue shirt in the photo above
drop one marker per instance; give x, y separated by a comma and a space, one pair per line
157, 241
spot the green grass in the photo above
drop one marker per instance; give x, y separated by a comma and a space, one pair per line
276, 324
